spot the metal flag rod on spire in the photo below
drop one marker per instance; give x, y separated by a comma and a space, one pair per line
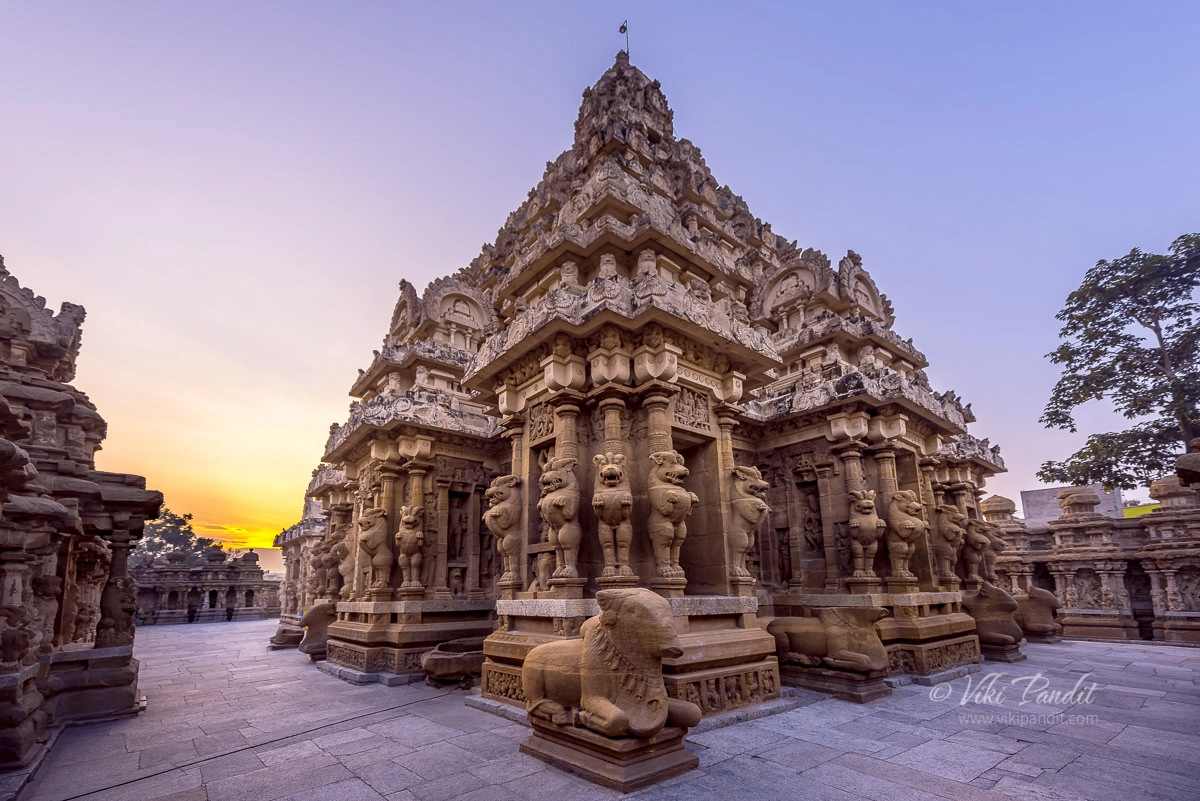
625, 30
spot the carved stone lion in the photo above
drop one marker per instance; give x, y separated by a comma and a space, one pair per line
948, 543
865, 528
905, 526
748, 506
559, 508
610, 680
501, 518
341, 558
839, 637
976, 546
997, 546
993, 610
374, 541
410, 545
670, 505
612, 501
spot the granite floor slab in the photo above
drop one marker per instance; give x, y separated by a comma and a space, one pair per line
229, 720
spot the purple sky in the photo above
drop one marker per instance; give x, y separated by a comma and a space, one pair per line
234, 189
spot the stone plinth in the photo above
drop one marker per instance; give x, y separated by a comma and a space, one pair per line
91, 684
926, 633
728, 661
390, 637
622, 763
1098, 624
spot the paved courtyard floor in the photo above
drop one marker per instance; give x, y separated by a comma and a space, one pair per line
229, 720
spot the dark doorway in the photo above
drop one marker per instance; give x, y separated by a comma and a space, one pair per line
1137, 584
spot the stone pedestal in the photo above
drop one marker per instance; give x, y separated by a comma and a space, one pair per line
91, 684
287, 635
1002, 653
857, 687
380, 639
927, 635
623, 763
728, 660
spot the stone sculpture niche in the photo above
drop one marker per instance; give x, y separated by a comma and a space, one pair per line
598, 704
838, 651
1037, 615
502, 519
866, 527
559, 508
410, 546
612, 501
905, 527
670, 505
749, 506
994, 612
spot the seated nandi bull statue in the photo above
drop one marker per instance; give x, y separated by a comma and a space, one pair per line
994, 612
670, 505
838, 639
1037, 614
748, 506
598, 704
610, 680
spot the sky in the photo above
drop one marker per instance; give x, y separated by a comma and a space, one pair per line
233, 190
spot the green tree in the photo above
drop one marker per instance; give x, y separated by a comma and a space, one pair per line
170, 532
1131, 334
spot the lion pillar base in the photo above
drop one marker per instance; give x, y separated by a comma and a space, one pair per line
668, 587
857, 687
623, 763
864, 584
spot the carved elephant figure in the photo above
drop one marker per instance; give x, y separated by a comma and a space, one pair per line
610, 679
843, 638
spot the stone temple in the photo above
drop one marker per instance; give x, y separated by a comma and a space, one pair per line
639, 384
179, 588
67, 600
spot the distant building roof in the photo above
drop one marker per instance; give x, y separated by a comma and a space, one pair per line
1041, 505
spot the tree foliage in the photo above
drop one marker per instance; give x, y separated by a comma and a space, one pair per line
169, 533
1130, 334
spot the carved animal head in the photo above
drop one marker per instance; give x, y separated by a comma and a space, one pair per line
610, 469
953, 521
370, 518
906, 503
667, 468
558, 474
410, 517
501, 489
639, 623
989, 598
748, 481
862, 502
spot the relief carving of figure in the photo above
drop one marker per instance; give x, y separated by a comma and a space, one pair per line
610, 679
904, 527
748, 506
118, 602
559, 508
410, 545
612, 501
866, 527
843, 638
501, 518
948, 540
373, 540
670, 505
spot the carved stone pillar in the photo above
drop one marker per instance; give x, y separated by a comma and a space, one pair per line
119, 597
658, 418
1158, 591
1174, 601
829, 539
852, 468
562, 516
441, 569
474, 588
734, 558
885, 461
